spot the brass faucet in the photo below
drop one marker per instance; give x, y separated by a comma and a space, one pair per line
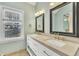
57, 36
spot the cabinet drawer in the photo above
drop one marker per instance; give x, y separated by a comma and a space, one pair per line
40, 49
36, 50
45, 49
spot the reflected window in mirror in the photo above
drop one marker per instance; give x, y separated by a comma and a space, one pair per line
39, 23
62, 19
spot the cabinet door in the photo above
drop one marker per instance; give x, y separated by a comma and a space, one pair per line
35, 47
37, 51
44, 49
50, 52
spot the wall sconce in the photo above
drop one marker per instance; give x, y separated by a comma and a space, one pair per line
30, 25
39, 12
51, 4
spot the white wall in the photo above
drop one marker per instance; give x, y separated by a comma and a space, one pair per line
28, 19
45, 6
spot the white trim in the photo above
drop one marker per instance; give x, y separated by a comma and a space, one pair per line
10, 40
6, 40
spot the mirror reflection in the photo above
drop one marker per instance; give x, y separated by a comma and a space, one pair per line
62, 19
12, 23
40, 23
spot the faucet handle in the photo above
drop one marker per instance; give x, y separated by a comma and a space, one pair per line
61, 38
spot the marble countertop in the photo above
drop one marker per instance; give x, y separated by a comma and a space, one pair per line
70, 48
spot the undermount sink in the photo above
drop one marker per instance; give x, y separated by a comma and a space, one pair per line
56, 43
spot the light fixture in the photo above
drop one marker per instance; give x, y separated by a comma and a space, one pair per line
39, 12
65, 19
52, 3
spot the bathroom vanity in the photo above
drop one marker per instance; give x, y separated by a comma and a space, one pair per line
63, 21
47, 45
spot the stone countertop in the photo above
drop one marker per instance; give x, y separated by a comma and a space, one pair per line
70, 48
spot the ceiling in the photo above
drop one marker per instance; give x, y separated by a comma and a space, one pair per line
32, 3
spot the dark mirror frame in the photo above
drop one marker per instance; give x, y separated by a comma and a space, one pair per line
42, 23
77, 17
74, 20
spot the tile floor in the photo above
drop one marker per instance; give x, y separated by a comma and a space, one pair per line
19, 53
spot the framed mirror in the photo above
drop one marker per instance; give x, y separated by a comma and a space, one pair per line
39, 23
62, 19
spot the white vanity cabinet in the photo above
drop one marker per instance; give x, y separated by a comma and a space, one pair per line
37, 49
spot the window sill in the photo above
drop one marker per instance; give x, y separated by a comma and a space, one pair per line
11, 40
